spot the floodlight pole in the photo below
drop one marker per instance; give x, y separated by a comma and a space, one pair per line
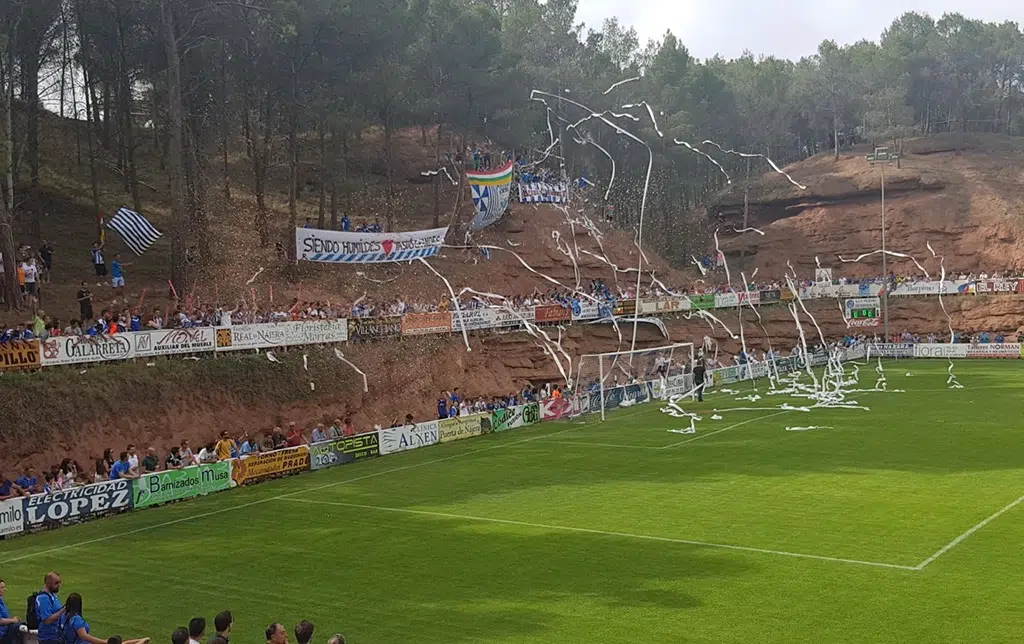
882, 157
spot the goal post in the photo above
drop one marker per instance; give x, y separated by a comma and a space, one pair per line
626, 378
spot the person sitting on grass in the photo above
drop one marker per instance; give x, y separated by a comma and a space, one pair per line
73, 629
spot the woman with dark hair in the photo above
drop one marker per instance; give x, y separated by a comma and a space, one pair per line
73, 629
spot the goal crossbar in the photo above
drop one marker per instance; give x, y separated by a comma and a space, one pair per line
650, 372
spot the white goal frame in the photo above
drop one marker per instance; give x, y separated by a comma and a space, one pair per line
689, 352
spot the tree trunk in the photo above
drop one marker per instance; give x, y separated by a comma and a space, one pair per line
175, 162
333, 178
389, 215
293, 164
10, 286
437, 178
322, 206
225, 122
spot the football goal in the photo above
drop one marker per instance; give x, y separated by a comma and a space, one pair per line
626, 378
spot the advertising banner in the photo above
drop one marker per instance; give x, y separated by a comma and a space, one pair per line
940, 350
996, 286
556, 408
586, 310
77, 504
176, 485
343, 450
552, 313
625, 307
339, 247
455, 429
706, 301
614, 397
540, 192
513, 417
752, 298
19, 354
75, 349
388, 326
472, 319
426, 323
664, 305
771, 296
260, 467
174, 341
932, 288
504, 319
678, 385
406, 437
902, 350
281, 334
993, 350
12, 516
724, 300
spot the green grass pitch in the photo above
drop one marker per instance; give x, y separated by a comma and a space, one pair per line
899, 524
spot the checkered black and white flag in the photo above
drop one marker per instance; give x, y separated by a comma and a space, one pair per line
135, 230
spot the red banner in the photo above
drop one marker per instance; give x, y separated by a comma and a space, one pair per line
553, 313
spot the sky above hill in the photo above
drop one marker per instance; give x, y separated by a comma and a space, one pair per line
784, 28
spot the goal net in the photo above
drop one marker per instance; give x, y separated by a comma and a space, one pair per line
608, 381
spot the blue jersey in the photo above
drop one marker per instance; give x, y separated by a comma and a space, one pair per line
46, 605
116, 270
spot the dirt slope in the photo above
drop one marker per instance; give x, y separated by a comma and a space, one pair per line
964, 194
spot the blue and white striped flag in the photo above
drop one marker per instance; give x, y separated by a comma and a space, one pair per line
135, 230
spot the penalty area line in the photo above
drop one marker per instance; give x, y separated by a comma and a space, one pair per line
603, 533
960, 539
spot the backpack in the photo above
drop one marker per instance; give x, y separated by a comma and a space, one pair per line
31, 617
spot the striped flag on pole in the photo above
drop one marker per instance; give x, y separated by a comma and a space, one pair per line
135, 230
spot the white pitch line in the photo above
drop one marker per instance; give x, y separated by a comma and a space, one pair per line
604, 533
203, 515
978, 526
724, 429
587, 443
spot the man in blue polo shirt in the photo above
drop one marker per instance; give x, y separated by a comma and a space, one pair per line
49, 609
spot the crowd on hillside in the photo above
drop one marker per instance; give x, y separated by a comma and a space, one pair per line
121, 316
59, 621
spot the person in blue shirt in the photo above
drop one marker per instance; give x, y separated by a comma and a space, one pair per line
49, 609
29, 481
10, 626
442, 408
75, 630
122, 469
10, 489
346, 223
117, 274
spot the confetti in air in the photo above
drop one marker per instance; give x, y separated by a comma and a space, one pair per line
272, 357
253, 278
341, 356
751, 230
619, 84
305, 362
745, 155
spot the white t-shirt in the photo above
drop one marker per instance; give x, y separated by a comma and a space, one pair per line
30, 272
133, 461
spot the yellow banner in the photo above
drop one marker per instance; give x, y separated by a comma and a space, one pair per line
253, 469
20, 354
454, 429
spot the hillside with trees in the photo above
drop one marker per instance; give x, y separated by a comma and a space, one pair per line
228, 122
